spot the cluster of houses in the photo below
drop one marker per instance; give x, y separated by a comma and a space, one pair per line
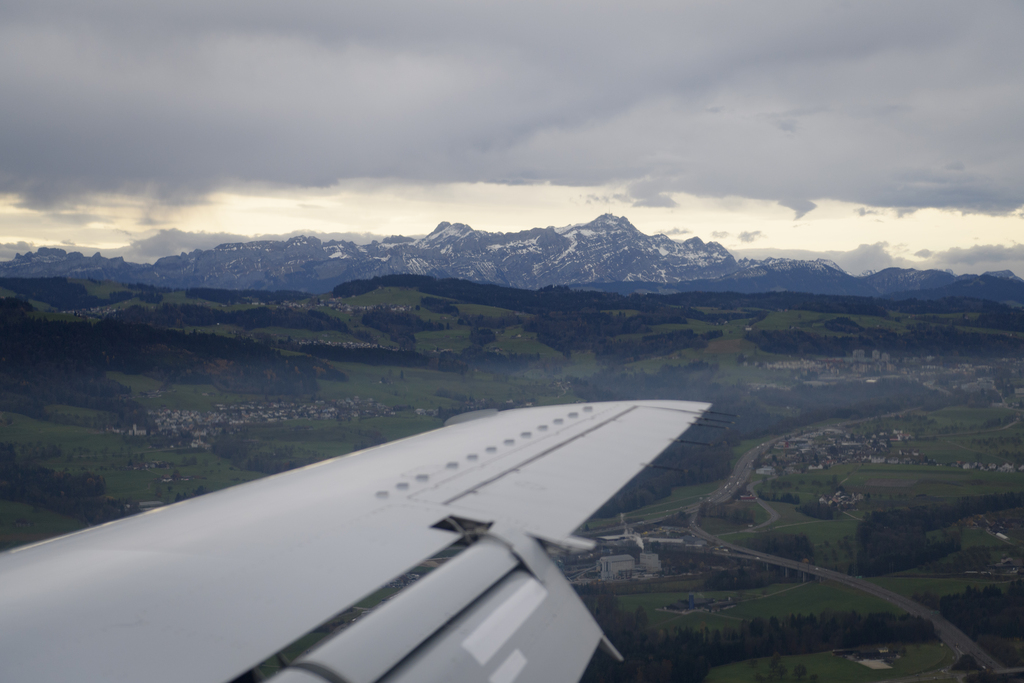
841, 500
699, 602
198, 424
872, 658
342, 344
1007, 565
864, 366
987, 467
340, 306
821, 449
150, 465
854, 366
997, 527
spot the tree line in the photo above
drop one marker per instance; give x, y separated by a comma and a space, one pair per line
400, 326
44, 362
991, 616
895, 540
687, 655
194, 315
60, 293
918, 340
81, 495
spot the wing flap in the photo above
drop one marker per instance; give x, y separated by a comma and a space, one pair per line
375, 644
500, 612
520, 631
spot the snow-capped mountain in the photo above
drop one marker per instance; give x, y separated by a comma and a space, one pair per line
607, 253
47, 262
906, 280
608, 249
820, 276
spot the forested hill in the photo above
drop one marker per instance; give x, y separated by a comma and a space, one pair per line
550, 299
46, 361
64, 294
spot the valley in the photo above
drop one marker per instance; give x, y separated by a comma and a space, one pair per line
856, 406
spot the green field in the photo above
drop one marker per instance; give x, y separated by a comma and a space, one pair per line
19, 429
833, 540
813, 597
939, 482
778, 600
21, 523
830, 669
682, 496
908, 586
970, 538
915, 480
397, 296
652, 603
729, 527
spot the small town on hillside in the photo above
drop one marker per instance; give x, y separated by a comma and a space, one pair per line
228, 417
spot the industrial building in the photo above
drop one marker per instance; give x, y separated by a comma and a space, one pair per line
615, 567
650, 563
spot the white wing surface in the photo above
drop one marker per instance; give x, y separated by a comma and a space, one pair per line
206, 589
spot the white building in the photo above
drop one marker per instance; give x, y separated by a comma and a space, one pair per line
650, 562
615, 567
767, 471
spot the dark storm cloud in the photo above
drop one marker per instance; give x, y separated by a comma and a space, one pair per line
904, 105
802, 207
658, 201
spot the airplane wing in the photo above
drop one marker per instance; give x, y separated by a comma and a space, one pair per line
206, 589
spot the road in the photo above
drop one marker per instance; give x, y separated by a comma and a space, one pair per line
953, 637
773, 514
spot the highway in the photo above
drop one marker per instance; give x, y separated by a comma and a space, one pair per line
949, 634
953, 637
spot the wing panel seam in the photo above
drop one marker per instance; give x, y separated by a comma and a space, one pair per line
323, 672
540, 455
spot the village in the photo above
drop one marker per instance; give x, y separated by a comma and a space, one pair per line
226, 418
823, 448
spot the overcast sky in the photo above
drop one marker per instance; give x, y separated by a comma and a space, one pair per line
136, 127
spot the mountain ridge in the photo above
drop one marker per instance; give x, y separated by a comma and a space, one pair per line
608, 251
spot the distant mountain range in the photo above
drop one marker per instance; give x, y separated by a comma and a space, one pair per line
608, 253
